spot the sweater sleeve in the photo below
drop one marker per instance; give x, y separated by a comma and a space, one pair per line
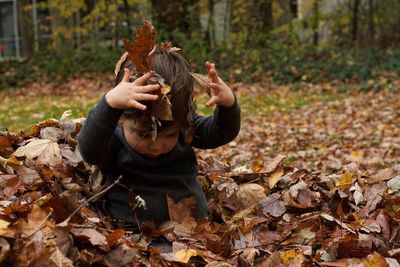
218, 129
97, 140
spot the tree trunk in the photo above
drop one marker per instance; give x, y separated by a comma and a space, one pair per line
265, 8
315, 23
227, 21
371, 24
25, 28
128, 17
355, 20
210, 34
176, 15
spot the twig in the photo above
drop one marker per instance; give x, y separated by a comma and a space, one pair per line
40, 225
64, 223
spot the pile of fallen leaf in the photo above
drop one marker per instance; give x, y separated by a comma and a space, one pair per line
325, 135
260, 214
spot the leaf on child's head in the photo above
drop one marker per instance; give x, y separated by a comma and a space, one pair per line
168, 46
144, 43
120, 62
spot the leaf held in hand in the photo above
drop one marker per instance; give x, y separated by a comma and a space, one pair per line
144, 43
202, 80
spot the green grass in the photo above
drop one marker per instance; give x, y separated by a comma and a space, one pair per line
18, 113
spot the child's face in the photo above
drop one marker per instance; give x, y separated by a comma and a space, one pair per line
141, 142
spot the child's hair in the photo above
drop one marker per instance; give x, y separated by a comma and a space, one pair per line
174, 68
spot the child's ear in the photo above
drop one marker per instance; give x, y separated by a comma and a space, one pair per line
121, 120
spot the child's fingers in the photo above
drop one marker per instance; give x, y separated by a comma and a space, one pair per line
212, 73
208, 65
212, 101
143, 79
135, 104
216, 87
127, 75
147, 88
142, 96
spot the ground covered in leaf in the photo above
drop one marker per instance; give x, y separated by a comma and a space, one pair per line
312, 180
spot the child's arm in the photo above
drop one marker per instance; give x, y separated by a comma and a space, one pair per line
224, 125
97, 141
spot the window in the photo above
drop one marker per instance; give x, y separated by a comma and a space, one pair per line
9, 39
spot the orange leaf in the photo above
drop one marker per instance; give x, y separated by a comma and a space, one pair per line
143, 45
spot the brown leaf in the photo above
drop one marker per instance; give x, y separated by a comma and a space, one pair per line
181, 211
112, 238
51, 133
4, 249
89, 235
168, 46
139, 50
41, 152
59, 260
250, 194
12, 186
375, 196
27, 175
275, 162
162, 110
272, 205
382, 175
39, 224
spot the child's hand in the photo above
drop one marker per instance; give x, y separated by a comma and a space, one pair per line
128, 94
221, 94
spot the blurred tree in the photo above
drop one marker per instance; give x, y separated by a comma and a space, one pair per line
25, 24
354, 32
315, 24
172, 16
371, 23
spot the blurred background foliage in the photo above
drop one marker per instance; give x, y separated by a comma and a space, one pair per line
284, 41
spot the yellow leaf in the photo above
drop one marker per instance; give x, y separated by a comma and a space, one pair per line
165, 89
3, 224
184, 255
345, 179
376, 261
292, 255
12, 161
274, 178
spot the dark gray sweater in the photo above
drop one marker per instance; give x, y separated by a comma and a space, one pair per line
102, 142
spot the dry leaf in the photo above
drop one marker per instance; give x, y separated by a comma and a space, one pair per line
250, 194
184, 255
275, 162
139, 50
272, 205
274, 178
59, 260
345, 179
90, 235
203, 81
4, 249
40, 152
181, 211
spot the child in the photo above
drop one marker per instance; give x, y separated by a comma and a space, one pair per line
155, 167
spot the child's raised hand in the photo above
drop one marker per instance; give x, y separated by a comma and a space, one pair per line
221, 94
128, 94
